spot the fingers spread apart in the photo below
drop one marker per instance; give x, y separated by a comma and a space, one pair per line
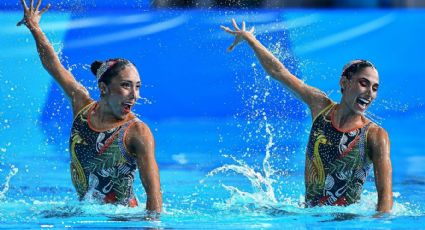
228, 30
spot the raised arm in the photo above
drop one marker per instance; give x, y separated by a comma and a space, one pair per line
75, 91
314, 98
379, 143
142, 144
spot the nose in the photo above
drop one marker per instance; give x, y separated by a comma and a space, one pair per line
370, 92
134, 93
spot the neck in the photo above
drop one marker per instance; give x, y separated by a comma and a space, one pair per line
102, 114
345, 119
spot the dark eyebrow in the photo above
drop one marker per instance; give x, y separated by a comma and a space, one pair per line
128, 81
364, 79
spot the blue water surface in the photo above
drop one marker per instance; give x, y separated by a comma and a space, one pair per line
230, 141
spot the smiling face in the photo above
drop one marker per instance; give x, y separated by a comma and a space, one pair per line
360, 90
122, 92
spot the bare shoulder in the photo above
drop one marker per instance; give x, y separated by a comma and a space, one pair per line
80, 98
378, 140
377, 134
140, 138
77, 108
317, 101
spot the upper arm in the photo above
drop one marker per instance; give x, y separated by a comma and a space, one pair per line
78, 95
379, 145
315, 99
141, 143
74, 90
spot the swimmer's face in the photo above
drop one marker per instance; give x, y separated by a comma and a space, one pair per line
122, 92
360, 90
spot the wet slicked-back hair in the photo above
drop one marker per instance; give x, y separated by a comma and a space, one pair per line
105, 71
355, 66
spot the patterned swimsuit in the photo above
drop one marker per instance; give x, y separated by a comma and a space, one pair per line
101, 167
337, 163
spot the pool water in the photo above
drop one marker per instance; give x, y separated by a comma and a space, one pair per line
199, 194
230, 142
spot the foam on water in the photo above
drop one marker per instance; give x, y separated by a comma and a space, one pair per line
71, 212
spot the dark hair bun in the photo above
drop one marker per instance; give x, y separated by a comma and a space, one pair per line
95, 66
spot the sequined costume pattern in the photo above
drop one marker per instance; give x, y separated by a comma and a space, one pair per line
101, 167
337, 163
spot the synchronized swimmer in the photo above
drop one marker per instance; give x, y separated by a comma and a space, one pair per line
343, 144
108, 142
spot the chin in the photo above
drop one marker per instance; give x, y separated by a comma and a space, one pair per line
120, 116
360, 112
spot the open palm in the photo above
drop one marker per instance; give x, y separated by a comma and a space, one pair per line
32, 15
239, 33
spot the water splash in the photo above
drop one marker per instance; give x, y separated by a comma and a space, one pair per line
374, 118
6, 185
261, 182
263, 102
262, 185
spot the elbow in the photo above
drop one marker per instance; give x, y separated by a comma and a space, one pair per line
49, 68
277, 72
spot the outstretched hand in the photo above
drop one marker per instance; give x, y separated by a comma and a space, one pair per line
32, 15
240, 34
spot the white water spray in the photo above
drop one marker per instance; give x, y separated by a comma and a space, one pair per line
12, 173
262, 183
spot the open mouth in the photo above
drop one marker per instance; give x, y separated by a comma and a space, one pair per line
362, 102
126, 107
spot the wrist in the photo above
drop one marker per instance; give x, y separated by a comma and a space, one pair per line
31, 25
152, 215
249, 37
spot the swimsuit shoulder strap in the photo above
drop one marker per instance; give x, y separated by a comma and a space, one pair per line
363, 140
121, 138
84, 109
325, 111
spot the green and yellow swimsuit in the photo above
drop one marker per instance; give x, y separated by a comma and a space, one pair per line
101, 167
337, 163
